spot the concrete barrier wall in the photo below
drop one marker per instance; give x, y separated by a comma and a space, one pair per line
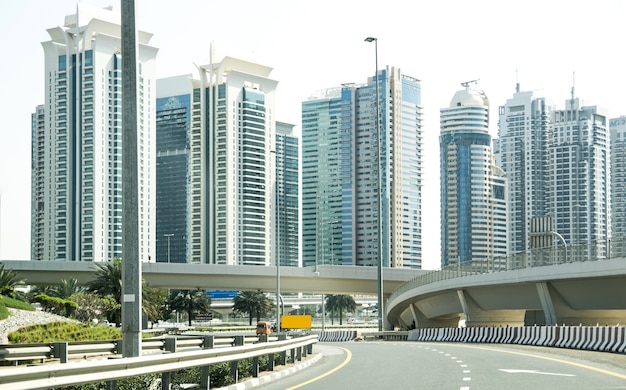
591, 338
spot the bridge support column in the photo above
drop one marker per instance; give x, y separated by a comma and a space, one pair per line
476, 316
546, 303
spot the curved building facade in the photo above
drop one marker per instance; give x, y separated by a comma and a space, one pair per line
473, 202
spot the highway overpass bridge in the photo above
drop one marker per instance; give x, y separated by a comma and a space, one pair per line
326, 279
582, 292
564, 290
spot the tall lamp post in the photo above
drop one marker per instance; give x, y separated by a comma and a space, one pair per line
168, 245
379, 192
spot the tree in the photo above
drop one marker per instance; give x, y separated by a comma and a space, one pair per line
155, 303
67, 288
93, 306
108, 282
8, 280
196, 301
339, 303
252, 303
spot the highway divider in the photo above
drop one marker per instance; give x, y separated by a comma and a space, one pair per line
592, 338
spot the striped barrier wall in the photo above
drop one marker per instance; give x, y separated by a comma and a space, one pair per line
592, 338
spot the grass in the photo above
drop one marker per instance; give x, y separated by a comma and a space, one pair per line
63, 331
15, 303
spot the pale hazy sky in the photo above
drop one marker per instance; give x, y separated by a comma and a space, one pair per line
313, 45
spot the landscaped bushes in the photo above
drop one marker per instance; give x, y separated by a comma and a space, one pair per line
56, 305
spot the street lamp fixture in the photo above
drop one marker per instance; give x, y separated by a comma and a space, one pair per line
379, 191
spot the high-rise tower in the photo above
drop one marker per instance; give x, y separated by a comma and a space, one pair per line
524, 126
579, 185
79, 200
287, 206
618, 177
340, 213
473, 188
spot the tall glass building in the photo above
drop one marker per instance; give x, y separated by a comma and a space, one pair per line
473, 188
78, 177
224, 164
618, 177
340, 173
173, 113
524, 126
287, 205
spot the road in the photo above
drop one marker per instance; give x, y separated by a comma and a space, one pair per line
455, 366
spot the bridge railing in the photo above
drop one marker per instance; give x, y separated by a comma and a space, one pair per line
585, 251
93, 371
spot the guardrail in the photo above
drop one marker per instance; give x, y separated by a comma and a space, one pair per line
65, 351
92, 371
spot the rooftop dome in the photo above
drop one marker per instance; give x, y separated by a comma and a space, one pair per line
469, 97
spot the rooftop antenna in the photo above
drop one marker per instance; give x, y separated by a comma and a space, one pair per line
466, 84
516, 81
573, 84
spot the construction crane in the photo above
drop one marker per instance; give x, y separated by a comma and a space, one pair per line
467, 83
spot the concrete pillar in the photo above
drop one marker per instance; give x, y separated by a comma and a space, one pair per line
476, 316
131, 263
546, 303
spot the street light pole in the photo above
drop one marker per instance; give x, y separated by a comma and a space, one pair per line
379, 191
168, 245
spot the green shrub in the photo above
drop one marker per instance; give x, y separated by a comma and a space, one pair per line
16, 304
63, 331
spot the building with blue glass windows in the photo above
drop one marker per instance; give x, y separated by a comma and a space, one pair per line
473, 189
287, 205
217, 134
173, 113
340, 173
77, 193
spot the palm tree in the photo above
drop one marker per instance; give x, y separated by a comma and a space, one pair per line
252, 303
339, 303
108, 282
67, 288
8, 280
190, 302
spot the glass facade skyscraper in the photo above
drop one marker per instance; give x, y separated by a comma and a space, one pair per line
78, 177
223, 165
340, 213
287, 206
473, 188
173, 112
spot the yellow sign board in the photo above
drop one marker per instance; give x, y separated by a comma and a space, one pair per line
295, 322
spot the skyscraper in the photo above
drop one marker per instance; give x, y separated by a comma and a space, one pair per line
618, 177
524, 126
579, 173
340, 212
173, 113
473, 188
230, 169
287, 206
79, 170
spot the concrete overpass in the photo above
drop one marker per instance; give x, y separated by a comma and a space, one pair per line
585, 292
325, 279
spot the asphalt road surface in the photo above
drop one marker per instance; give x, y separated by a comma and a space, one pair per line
455, 366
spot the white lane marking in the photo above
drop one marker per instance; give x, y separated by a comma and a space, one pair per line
466, 371
513, 371
467, 379
465, 388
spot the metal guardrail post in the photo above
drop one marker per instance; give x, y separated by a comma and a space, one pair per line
205, 378
239, 340
283, 354
271, 362
208, 342
255, 367
166, 377
59, 351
